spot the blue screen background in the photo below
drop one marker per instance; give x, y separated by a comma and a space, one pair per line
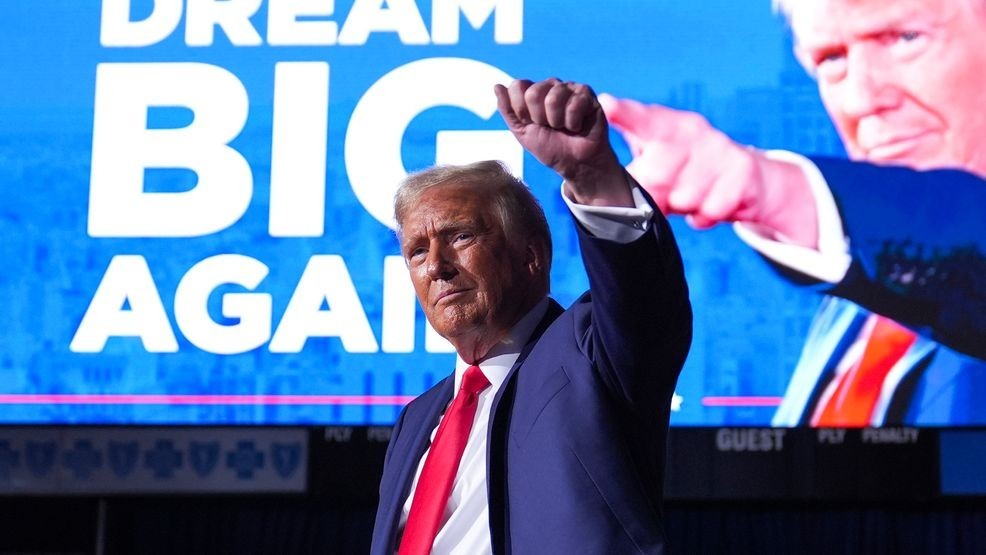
731, 61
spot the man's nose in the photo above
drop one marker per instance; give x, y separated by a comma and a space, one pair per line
439, 265
869, 85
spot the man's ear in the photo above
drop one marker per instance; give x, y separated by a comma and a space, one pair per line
534, 258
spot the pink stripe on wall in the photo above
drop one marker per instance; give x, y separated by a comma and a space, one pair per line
155, 399
741, 401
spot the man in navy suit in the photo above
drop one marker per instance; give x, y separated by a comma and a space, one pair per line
561, 415
895, 237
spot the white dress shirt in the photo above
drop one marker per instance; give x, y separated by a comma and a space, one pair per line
465, 528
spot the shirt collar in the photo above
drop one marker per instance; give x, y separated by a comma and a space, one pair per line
504, 354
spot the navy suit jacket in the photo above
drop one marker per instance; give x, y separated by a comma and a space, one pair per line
918, 245
577, 436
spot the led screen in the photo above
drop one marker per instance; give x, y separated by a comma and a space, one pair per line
196, 201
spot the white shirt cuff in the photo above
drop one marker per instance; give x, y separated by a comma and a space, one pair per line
830, 262
620, 224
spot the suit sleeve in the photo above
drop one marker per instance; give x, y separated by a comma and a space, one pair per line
383, 523
917, 241
641, 321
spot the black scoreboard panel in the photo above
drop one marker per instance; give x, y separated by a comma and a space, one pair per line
345, 462
870, 464
802, 463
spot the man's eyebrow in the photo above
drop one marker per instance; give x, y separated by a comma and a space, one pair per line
452, 225
443, 227
913, 17
820, 41
821, 45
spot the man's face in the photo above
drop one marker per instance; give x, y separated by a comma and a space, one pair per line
468, 277
903, 80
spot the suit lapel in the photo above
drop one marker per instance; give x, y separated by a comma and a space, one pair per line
419, 422
554, 310
497, 434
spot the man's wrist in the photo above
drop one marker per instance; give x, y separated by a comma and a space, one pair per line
829, 260
789, 208
615, 223
601, 182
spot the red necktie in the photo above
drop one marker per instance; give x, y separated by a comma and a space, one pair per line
851, 398
435, 484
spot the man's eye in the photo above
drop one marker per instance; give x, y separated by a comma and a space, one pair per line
459, 237
829, 64
829, 56
906, 45
416, 252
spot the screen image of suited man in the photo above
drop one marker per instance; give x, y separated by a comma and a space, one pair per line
894, 237
562, 446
